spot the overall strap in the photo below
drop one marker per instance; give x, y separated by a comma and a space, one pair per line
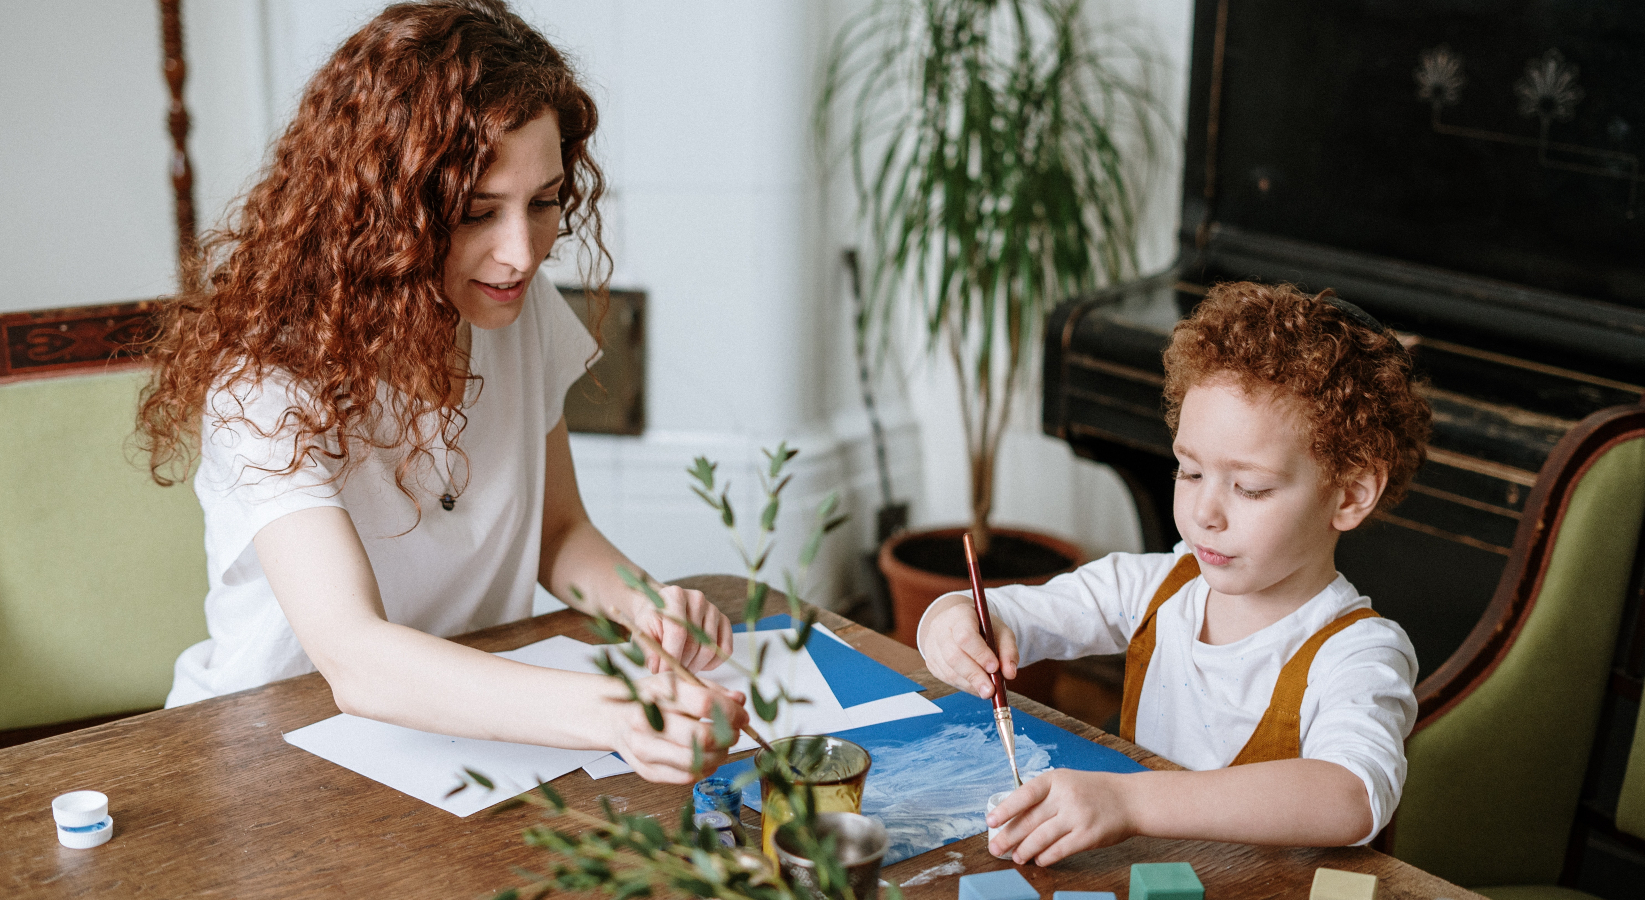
1279, 734
1141, 648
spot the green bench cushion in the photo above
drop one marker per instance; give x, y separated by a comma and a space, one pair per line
102, 572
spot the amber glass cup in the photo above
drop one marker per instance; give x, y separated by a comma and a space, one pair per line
833, 770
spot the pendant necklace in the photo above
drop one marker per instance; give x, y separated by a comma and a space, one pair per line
448, 500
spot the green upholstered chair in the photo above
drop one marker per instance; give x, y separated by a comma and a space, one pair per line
102, 572
1506, 727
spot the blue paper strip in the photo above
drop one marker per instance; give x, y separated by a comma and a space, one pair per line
853, 676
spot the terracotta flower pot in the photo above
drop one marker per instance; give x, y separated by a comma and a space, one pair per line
921, 566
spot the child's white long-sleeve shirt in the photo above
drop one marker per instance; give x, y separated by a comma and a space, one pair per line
1200, 702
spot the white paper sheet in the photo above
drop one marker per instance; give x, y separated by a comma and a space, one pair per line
427, 766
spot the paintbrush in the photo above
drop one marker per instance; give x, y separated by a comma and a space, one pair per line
985, 624
681, 671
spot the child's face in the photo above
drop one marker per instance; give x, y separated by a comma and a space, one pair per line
1250, 498
509, 226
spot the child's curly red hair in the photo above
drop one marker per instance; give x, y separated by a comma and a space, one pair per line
1353, 382
331, 270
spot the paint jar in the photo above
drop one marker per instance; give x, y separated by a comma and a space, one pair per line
832, 772
860, 845
993, 801
83, 819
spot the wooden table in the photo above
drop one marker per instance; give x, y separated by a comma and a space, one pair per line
209, 801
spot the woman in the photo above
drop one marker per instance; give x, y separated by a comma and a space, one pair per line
376, 379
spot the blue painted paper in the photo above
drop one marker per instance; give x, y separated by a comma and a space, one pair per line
932, 775
852, 675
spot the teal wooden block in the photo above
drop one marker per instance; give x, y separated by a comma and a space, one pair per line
1165, 881
1006, 884
1083, 895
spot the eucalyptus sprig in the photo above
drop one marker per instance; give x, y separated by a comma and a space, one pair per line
631, 856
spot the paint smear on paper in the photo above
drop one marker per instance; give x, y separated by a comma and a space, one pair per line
926, 876
933, 791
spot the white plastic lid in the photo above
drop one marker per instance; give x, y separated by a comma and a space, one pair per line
78, 809
85, 837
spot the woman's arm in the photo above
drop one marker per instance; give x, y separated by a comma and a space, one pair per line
320, 574
576, 555
1294, 802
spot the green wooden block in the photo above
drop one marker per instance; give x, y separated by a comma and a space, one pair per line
1334, 884
1165, 881
1006, 884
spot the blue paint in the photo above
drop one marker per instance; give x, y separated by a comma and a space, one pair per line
932, 775
87, 829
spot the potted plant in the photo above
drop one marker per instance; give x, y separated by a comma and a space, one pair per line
994, 148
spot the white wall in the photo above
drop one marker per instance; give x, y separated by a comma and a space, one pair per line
717, 209
85, 202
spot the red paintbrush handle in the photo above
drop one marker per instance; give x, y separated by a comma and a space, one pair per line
985, 622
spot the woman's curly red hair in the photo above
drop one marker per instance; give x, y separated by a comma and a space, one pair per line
1353, 382
331, 269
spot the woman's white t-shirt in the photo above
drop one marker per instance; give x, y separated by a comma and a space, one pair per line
1201, 702
445, 573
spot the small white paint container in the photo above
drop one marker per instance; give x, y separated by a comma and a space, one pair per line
83, 819
994, 801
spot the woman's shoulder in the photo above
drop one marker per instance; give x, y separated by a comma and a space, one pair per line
243, 393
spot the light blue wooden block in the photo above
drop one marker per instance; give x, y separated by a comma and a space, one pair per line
1083, 895
1006, 884
1165, 881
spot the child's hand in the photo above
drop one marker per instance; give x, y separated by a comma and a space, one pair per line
956, 652
666, 756
1060, 813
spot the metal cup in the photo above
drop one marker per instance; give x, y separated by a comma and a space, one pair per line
860, 845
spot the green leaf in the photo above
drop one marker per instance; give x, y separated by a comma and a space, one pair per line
703, 470
634, 654
802, 633
828, 505
725, 509
755, 607
724, 734
765, 709
478, 779
778, 457
602, 661
552, 797
638, 582
607, 631
653, 715
768, 517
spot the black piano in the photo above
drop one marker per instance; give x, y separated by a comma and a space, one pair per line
1471, 172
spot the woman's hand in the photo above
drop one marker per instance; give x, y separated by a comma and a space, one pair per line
1060, 813
666, 756
956, 653
663, 626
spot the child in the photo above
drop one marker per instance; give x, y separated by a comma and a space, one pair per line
1250, 661
375, 378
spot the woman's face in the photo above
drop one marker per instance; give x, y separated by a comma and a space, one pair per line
509, 226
